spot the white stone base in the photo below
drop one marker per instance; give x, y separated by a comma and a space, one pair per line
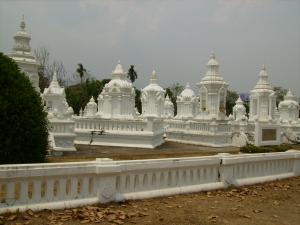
62, 142
207, 139
120, 138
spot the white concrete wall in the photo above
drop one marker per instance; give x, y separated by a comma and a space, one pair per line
64, 185
142, 132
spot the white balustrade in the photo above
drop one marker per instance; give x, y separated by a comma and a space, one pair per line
63, 185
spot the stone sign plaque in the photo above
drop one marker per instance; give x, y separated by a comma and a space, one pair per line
268, 134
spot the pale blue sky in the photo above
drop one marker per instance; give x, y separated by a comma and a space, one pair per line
174, 37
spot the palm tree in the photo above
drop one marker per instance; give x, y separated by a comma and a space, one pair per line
132, 75
80, 70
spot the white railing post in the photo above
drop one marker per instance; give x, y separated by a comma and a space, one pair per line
107, 171
296, 162
226, 175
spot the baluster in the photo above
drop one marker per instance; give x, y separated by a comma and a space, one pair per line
10, 193
62, 188
24, 192
73, 188
85, 186
49, 196
36, 195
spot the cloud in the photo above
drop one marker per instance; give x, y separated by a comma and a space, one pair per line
226, 9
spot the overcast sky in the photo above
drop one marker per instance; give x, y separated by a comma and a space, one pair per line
174, 37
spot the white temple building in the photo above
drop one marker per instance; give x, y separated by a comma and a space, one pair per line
112, 118
202, 119
116, 122
22, 55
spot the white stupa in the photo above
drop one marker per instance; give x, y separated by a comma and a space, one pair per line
239, 110
168, 108
262, 99
152, 98
91, 108
117, 99
22, 55
289, 108
186, 103
212, 92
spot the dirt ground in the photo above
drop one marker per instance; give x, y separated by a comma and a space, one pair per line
274, 203
168, 149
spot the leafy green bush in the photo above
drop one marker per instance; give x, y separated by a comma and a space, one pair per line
23, 123
249, 148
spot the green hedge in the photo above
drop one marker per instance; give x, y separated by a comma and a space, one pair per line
249, 148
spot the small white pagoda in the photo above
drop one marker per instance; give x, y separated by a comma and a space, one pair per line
117, 99
187, 104
289, 109
239, 110
153, 97
212, 92
262, 99
91, 108
62, 125
22, 55
168, 108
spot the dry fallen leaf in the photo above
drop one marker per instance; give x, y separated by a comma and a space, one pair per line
12, 217
246, 216
257, 210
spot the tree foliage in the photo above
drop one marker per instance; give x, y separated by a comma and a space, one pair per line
280, 93
138, 101
173, 91
78, 95
132, 75
231, 98
23, 124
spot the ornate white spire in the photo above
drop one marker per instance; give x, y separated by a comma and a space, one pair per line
289, 95
54, 87
263, 82
118, 72
21, 53
22, 24
22, 38
153, 78
239, 101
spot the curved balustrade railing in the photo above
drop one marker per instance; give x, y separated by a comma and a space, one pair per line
63, 185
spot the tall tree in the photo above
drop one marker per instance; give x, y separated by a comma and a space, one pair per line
81, 72
132, 75
23, 131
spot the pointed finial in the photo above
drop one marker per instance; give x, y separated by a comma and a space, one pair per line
239, 100
153, 74
54, 78
212, 55
22, 24
187, 85
92, 99
263, 67
119, 61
